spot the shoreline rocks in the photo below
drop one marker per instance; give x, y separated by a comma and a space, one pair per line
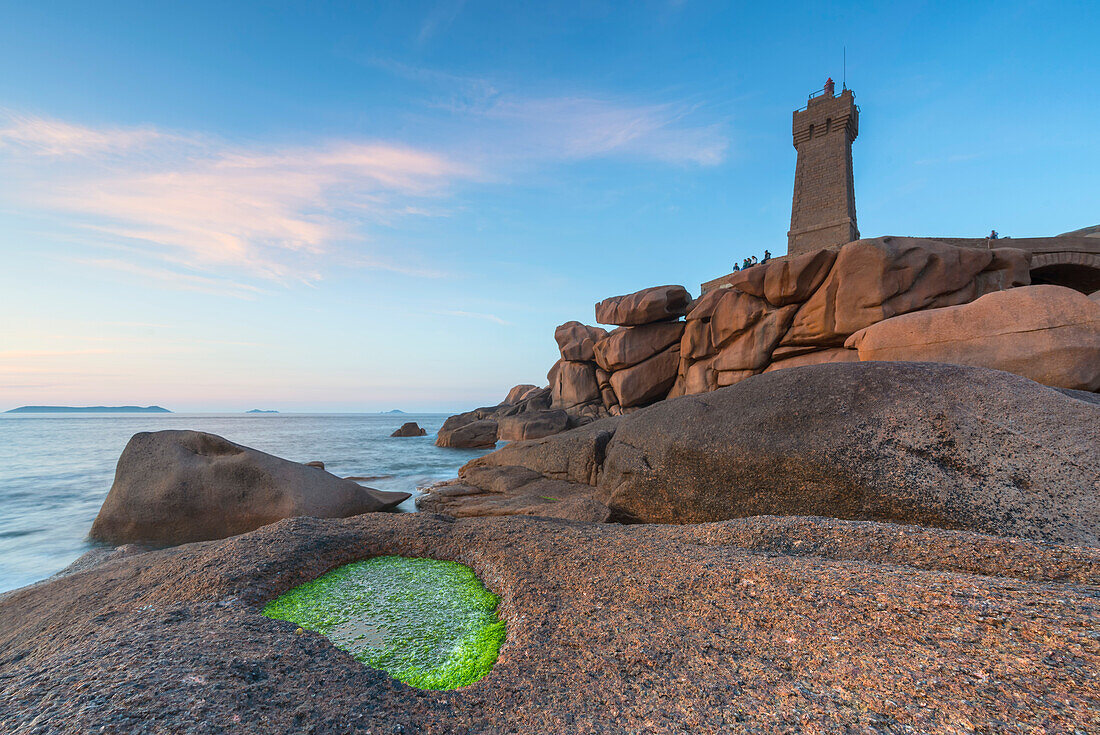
174, 487
926, 443
759, 624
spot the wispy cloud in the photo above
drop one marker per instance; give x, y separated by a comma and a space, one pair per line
476, 315
587, 127
260, 212
523, 125
43, 137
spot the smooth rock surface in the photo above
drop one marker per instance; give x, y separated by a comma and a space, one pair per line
817, 357
174, 487
770, 625
1049, 334
649, 305
533, 425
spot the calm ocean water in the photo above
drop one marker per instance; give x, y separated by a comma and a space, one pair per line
56, 469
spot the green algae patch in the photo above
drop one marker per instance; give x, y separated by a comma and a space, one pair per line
431, 624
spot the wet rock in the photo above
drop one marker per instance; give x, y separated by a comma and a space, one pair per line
409, 428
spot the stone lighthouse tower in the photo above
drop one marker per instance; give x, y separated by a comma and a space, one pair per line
823, 213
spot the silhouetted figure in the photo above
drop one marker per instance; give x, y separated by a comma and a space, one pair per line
993, 235
754, 260
767, 256
736, 267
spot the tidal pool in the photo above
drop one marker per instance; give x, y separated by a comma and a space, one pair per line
431, 624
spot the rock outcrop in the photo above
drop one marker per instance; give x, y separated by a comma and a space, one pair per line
920, 443
753, 625
409, 428
174, 487
1050, 334
644, 307
789, 313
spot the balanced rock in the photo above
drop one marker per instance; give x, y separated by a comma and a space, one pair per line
1050, 334
409, 428
576, 341
656, 304
175, 487
628, 346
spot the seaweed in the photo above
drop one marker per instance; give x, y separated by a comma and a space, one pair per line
431, 624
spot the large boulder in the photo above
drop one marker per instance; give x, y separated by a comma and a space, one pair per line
478, 434
647, 381
576, 340
1050, 334
921, 443
649, 305
174, 487
575, 385
628, 346
758, 625
876, 279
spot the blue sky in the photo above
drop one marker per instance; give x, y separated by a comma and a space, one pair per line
354, 206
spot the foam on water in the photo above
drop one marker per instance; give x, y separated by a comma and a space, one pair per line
56, 469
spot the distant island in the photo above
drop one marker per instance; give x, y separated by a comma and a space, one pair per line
89, 409
396, 410
261, 410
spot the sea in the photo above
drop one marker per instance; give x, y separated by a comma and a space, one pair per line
56, 469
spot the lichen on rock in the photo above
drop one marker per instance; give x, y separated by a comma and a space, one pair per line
431, 624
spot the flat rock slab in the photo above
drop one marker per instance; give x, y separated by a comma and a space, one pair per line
755, 625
